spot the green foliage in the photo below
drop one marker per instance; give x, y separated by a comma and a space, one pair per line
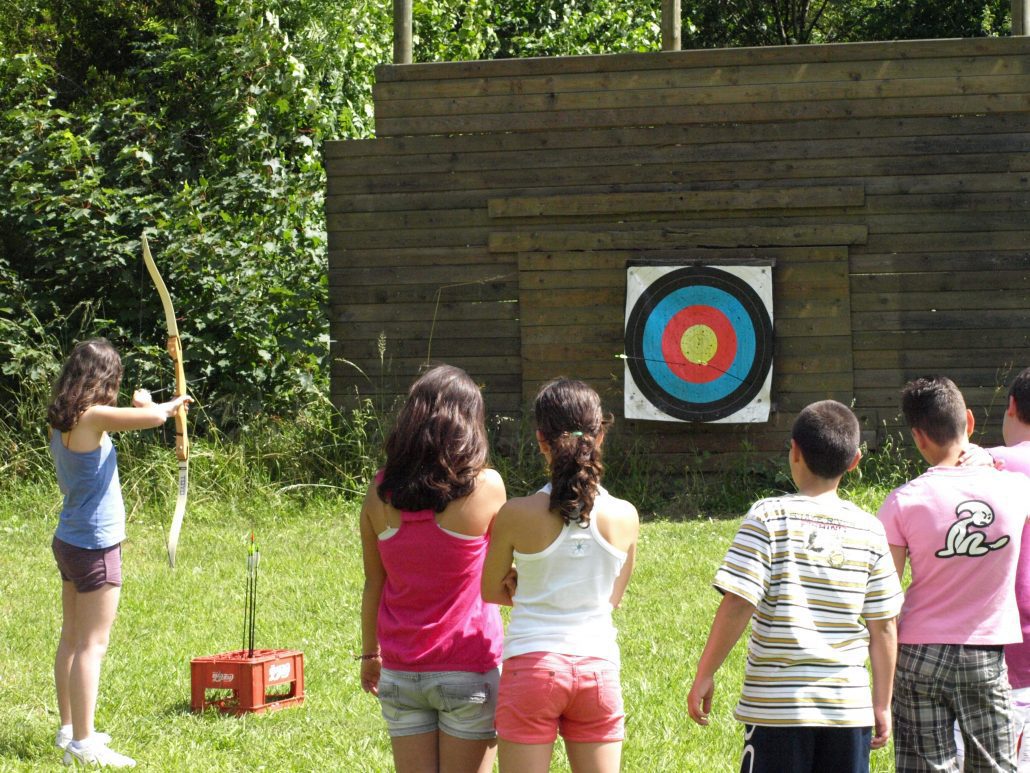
206, 130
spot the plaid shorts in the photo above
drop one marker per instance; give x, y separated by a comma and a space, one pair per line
938, 684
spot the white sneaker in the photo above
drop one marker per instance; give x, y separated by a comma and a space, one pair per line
64, 738
96, 753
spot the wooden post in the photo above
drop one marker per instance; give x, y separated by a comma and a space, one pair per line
1021, 17
402, 31
671, 25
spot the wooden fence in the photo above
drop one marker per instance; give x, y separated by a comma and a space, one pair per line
490, 222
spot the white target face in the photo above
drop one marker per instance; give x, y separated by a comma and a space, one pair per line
699, 343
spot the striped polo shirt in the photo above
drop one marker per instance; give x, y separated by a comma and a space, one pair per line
815, 568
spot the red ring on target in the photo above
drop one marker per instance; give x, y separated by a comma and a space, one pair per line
697, 369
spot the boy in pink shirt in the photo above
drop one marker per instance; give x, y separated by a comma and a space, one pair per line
1015, 456
959, 528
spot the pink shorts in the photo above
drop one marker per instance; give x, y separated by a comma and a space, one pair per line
543, 693
88, 569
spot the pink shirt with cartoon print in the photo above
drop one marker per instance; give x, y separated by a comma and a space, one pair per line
961, 527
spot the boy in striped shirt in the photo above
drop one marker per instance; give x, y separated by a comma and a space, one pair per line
815, 577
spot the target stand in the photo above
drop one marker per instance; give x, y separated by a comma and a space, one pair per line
245, 682
699, 342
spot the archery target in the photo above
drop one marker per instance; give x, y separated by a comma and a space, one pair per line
699, 343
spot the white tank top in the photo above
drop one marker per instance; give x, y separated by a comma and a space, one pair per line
562, 602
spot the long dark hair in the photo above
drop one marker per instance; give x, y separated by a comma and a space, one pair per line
91, 376
437, 446
569, 416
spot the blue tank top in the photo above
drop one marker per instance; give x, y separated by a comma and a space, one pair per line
93, 515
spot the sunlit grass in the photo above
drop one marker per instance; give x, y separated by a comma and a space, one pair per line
309, 590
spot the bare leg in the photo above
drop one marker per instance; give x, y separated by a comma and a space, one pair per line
415, 753
65, 651
94, 613
459, 755
594, 757
524, 757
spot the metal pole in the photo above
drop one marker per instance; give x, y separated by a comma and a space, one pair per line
402, 31
1021, 17
671, 25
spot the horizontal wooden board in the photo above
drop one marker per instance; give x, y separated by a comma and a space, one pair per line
921, 263
422, 313
997, 353
686, 201
733, 144
658, 138
678, 77
934, 340
767, 55
700, 96
342, 294
672, 236
1017, 102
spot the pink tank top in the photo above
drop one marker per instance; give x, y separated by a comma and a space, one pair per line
431, 614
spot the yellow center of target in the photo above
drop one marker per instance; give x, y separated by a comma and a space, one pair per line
699, 344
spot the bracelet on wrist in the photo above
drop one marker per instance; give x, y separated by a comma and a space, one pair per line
369, 656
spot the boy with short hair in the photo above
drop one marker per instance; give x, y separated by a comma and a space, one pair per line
959, 527
814, 575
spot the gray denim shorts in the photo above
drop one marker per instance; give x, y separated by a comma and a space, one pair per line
459, 703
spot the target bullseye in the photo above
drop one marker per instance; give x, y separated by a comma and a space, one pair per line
698, 341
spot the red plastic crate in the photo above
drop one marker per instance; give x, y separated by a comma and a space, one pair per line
249, 679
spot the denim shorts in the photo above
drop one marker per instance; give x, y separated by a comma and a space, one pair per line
459, 703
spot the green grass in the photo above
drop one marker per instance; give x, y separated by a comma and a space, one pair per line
309, 593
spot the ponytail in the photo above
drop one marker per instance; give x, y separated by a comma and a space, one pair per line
570, 420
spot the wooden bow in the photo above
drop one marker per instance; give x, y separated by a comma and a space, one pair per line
182, 444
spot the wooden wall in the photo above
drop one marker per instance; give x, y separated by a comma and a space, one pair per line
490, 222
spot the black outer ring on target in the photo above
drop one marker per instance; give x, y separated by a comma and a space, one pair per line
752, 383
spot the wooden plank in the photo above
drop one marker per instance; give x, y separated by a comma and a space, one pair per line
937, 340
671, 236
428, 334
617, 259
423, 346
979, 378
769, 55
817, 197
639, 174
964, 300
412, 257
440, 275
788, 280
657, 138
921, 241
469, 311
942, 320
917, 263
344, 295
343, 223
732, 144
673, 77
942, 359
937, 281
718, 113
702, 96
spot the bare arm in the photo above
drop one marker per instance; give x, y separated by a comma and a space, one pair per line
498, 560
375, 579
619, 589
883, 654
731, 619
899, 553
142, 415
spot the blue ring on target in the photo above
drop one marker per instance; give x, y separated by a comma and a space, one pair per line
654, 328
749, 318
